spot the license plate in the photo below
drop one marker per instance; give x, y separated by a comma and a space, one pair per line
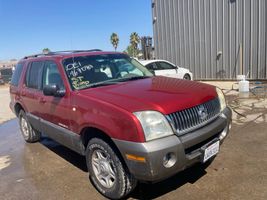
211, 150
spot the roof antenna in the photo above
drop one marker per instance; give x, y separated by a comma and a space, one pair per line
71, 47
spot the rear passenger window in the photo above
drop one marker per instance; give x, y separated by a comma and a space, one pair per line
16, 76
164, 65
34, 75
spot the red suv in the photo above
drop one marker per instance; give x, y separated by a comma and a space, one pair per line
129, 124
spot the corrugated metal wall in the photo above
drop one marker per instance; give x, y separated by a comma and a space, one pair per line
193, 33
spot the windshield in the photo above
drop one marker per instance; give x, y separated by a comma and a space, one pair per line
98, 70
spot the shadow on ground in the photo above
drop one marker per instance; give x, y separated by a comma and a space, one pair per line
151, 191
71, 156
143, 190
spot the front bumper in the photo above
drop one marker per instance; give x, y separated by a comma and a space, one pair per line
188, 149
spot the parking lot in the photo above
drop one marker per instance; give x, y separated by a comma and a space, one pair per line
47, 170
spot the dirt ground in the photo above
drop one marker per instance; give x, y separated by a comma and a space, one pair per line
5, 113
47, 170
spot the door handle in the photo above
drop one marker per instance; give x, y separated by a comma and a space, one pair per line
23, 93
42, 100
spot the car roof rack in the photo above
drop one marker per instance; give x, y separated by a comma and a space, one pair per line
60, 52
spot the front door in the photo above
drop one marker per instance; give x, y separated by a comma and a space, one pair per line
166, 69
55, 118
54, 109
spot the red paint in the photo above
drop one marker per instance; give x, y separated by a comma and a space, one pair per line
110, 108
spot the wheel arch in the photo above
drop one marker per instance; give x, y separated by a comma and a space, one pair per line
89, 133
17, 108
187, 74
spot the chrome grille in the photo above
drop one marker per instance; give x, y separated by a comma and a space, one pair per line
192, 118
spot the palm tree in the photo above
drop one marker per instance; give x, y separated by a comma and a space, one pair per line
114, 39
46, 50
134, 40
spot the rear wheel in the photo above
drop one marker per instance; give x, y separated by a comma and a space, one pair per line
187, 77
107, 172
28, 133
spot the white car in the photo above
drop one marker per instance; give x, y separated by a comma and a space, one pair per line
166, 68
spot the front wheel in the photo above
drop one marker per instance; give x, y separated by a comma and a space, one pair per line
106, 170
187, 77
28, 133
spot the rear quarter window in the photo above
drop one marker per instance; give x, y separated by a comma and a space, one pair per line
17, 74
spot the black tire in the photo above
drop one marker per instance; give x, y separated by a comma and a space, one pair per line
29, 134
98, 153
187, 77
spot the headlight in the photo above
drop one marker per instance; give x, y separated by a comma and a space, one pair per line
154, 124
221, 98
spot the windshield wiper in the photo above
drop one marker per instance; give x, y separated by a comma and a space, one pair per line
117, 81
133, 78
102, 84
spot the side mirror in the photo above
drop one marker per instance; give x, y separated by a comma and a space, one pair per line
53, 90
176, 68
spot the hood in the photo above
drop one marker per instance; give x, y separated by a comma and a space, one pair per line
163, 94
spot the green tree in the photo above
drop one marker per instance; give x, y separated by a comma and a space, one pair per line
134, 41
114, 39
46, 50
132, 52
129, 50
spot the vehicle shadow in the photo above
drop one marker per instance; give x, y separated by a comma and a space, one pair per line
151, 191
72, 157
143, 190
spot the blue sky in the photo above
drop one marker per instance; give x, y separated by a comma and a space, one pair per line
28, 26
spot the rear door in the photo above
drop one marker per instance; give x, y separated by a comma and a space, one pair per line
166, 69
14, 88
31, 91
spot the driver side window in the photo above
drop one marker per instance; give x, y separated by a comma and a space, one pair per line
52, 75
152, 66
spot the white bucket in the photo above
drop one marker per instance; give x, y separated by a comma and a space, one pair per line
243, 86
